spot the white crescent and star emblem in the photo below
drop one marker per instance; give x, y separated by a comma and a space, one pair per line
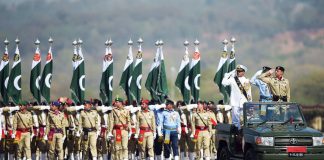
37, 82
81, 85
48, 80
16, 85
6, 82
186, 83
129, 81
138, 81
196, 82
110, 83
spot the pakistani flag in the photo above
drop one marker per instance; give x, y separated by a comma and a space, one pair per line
182, 81
106, 83
221, 70
126, 77
46, 78
231, 67
4, 76
14, 85
161, 87
194, 75
150, 84
35, 75
78, 80
136, 84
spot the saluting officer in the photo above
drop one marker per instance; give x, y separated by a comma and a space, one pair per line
89, 124
279, 85
145, 130
55, 131
201, 128
22, 129
121, 122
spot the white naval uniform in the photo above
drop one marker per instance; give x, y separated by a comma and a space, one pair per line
237, 98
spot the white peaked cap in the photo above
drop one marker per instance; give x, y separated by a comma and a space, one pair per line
241, 67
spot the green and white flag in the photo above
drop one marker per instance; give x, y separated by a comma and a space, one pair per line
77, 86
194, 75
35, 75
136, 84
46, 79
150, 82
182, 81
231, 67
4, 76
106, 83
14, 85
161, 87
126, 77
221, 70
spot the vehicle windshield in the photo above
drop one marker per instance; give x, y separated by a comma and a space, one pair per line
272, 113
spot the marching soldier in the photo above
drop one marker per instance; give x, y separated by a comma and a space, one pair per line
145, 130
170, 122
184, 131
89, 125
201, 131
120, 121
132, 144
55, 131
22, 130
213, 120
8, 142
279, 85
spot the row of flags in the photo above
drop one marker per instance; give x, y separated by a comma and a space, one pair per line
10, 84
188, 78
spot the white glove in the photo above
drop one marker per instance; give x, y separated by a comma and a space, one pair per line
13, 136
154, 135
63, 138
159, 130
77, 134
191, 136
179, 130
136, 136
45, 137
98, 133
109, 136
179, 136
186, 130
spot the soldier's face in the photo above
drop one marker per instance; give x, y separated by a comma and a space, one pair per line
87, 106
200, 106
279, 73
144, 106
240, 73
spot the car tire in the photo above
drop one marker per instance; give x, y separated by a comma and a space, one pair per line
250, 155
223, 154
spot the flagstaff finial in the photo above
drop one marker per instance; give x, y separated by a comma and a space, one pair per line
6, 42
225, 41
233, 40
157, 43
80, 41
109, 42
74, 43
50, 40
130, 42
161, 42
186, 43
37, 42
140, 41
196, 42
17, 41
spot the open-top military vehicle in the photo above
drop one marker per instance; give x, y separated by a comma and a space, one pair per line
270, 131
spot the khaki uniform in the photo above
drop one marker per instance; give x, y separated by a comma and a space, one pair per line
55, 132
10, 146
77, 138
89, 125
201, 128
213, 148
102, 144
22, 126
132, 142
121, 124
145, 127
184, 137
190, 141
277, 87
70, 132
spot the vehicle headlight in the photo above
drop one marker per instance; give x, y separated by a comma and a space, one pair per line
264, 141
318, 141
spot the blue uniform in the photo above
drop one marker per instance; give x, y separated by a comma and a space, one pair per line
265, 94
170, 122
157, 144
